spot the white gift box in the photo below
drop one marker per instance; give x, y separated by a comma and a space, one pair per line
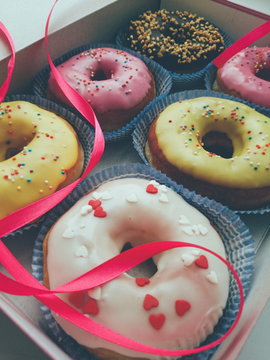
74, 23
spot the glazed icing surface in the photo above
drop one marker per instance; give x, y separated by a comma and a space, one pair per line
181, 127
174, 308
239, 75
126, 79
34, 144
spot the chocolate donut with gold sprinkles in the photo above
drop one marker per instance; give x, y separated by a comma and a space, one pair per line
178, 40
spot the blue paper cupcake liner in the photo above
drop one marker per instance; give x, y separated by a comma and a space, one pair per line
150, 113
84, 133
209, 80
162, 77
181, 81
236, 237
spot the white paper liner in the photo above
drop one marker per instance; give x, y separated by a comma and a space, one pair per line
144, 120
239, 247
163, 82
85, 135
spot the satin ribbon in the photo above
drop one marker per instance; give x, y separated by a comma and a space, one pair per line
35, 210
242, 43
24, 284
11, 62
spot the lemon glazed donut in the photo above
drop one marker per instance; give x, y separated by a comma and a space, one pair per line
116, 84
39, 153
247, 75
218, 147
175, 306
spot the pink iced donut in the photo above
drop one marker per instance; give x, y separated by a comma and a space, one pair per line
178, 305
116, 84
239, 75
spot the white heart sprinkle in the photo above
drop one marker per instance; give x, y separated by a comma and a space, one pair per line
195, 229
86, 209
82, 251
95, 293
188, 230
163, 188
203, 229
97, 195
212, 277
132, 198
154, 182
68, 234
183, 220
163, 198
106, 195
188, 259
196, 252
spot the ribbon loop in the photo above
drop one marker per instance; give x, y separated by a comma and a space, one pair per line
11, 62
35, 210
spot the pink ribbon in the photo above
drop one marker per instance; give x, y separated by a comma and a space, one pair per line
33, 211
11, 62
24, 284
242, 43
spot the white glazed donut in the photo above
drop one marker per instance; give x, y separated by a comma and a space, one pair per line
175, 308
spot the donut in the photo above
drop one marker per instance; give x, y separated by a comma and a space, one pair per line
217, 147
39, 153
178, 40
247, 75
173, 303
115, 83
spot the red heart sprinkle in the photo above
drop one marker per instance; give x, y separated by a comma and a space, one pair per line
77, 298
151, 189
157, 320
150, 302
202, 262
142, 281
94, 203
99, 212
181, 307
91, 307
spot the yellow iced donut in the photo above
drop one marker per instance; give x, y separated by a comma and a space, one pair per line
218, 147
39, 152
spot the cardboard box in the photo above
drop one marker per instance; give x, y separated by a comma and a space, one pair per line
99, 22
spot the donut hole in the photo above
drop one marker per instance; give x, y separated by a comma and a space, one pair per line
263, 74
218, 143
14, 147
145, 269
12, 151
100, 75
